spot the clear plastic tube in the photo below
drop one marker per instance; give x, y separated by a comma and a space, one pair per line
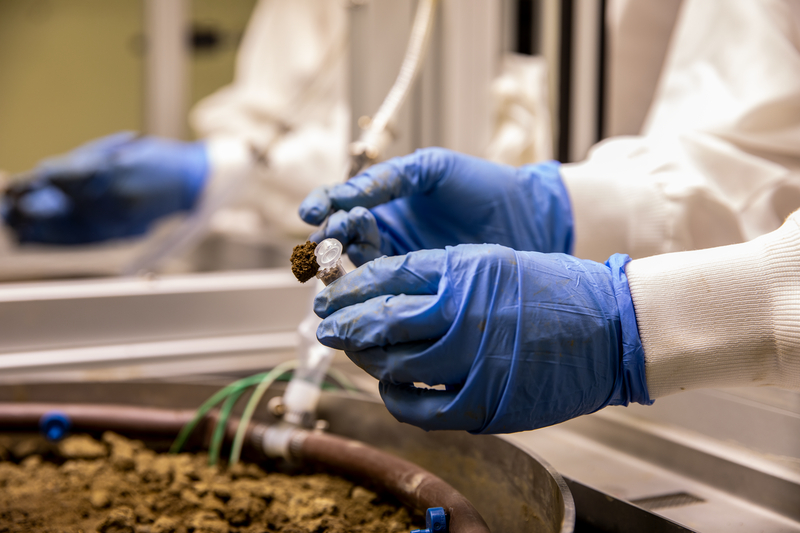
374, 140
302, 394
329, 259
189, 231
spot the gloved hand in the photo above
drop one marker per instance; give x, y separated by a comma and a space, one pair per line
113, 187
521, 340
435, 198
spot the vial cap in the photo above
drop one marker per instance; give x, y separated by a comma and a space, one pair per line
328, 253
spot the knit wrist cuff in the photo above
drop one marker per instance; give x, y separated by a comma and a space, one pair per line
721, 317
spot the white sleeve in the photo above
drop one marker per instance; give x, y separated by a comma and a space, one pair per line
719, 159
721, 317
288, 103
288, 69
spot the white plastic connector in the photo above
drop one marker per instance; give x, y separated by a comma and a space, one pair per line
301, 397
300, 400
281, 440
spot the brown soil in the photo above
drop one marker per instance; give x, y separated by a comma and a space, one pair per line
329, 275
118, 486
304, 263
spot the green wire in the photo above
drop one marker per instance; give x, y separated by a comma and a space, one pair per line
222, 423
209, 404
231, 393
324, 385
252, 403
343, 380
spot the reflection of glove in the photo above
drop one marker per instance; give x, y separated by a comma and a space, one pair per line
436, 198
110, 188
522, 340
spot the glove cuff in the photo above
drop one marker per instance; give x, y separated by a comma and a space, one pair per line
196, 170
631, 384
551, 208
721, 317
230, 161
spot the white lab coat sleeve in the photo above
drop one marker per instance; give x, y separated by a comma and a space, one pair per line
721, 317
289, 51
287, 103
719, 159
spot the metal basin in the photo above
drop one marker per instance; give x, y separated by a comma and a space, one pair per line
511, 488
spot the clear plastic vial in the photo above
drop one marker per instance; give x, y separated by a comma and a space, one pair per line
302, 394
329, 259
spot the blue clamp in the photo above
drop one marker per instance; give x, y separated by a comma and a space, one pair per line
54, 425
435, 521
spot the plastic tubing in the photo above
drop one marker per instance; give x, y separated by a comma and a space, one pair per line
313, 359
209, 404
190, 230
250, 408
410, 483
375, 138
302, 393
219, 431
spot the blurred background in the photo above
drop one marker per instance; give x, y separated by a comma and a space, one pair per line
74, 71
516, 81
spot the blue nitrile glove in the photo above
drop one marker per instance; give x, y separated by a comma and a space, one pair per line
113, 187
435, 198
521, 340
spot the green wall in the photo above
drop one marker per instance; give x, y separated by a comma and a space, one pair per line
72, 70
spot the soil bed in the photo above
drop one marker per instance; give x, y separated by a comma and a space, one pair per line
117, 485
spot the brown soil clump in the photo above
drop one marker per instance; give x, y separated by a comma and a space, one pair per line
119, 486
304, 263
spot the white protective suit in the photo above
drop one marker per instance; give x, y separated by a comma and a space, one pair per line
718, 163
288, 101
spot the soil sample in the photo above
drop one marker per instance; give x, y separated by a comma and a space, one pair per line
119, 486
304, 263
329, 275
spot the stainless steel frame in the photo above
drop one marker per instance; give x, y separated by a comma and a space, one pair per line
701, 481
134, 328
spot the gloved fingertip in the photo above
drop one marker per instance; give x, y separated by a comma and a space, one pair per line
374, 186
312, 214
424, 408
315, 207
318, 236
326, 335
321, 305
44, 203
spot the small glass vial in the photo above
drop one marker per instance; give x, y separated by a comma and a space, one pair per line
329, 258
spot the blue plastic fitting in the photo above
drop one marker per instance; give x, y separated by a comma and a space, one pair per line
435, 521
54, 425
